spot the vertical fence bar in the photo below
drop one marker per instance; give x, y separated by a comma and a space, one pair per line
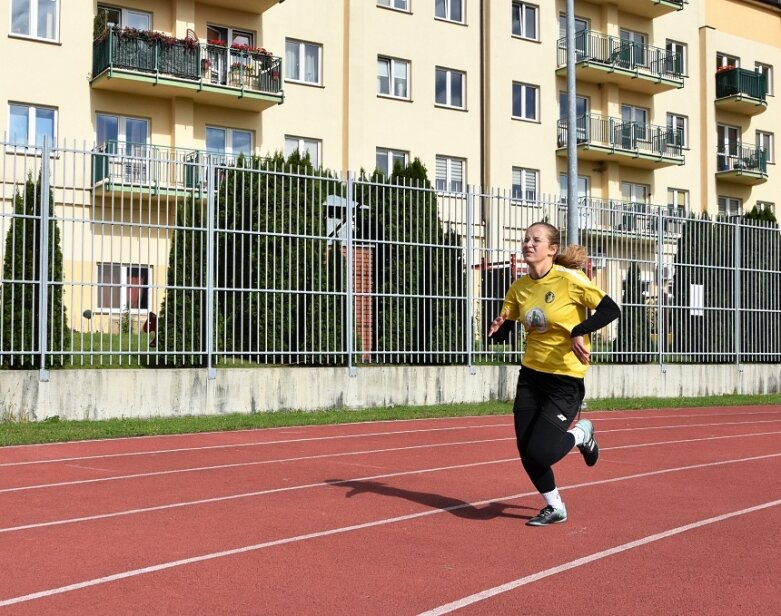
737, 257
211, 371
350, 287
469, 312
661, 333
43, 263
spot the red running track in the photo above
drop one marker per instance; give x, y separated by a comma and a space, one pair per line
682, 515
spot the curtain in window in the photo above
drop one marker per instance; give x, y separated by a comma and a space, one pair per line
311, 71
400, 79
292, 69
383, 76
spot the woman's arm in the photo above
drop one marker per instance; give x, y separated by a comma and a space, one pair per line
606, 312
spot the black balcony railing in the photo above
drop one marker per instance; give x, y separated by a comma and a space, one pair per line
617, 53
155, 54
618, 135
748, 158
740, 82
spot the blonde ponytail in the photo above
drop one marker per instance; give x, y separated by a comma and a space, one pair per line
574, 256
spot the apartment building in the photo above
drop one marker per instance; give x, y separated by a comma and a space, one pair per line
676, 107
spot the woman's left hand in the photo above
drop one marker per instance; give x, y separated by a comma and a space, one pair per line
580, 349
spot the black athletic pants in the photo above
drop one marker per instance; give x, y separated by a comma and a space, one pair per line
545, 405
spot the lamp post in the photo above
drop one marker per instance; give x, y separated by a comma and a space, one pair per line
573, 235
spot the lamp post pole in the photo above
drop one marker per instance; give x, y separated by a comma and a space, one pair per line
573, 236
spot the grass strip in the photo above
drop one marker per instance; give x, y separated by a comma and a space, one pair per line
55, 430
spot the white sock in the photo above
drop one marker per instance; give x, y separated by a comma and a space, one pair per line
553, 498
578, 433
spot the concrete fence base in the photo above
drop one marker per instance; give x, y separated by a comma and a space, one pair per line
104, 394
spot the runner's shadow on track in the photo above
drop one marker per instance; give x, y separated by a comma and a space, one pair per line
454, 506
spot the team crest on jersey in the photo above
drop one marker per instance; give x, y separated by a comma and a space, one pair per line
549, 297
535, 320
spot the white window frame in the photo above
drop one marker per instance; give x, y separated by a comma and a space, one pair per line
125, 14
636, 192
520, 12
391, 156
32, 111
447, 5
680, 122
683, 50
394, 79
449, 88
303, 145
583, 184
766, 140
32, 20
767, 205
767, 71
525, 184
123, 284
448, 171
639, 41
523, 111
677, 201
725, 59
228, 134
730, 206
394, 5
301, 51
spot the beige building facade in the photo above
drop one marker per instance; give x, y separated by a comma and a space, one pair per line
475, 89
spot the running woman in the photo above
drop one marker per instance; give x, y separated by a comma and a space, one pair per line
551, 302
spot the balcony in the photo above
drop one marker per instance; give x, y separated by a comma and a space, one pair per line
601, 58
744, 164
153, 64
143, 169
612, 216
645, 8
741, 91
632, 144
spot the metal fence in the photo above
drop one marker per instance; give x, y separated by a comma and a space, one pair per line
231, 262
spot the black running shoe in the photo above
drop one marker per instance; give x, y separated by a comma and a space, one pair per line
589, 448
548, 515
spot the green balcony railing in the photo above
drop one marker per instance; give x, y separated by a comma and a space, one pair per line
744, 158
618, 135
741, 82
152, 53
617, 53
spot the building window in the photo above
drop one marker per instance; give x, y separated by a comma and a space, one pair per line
451, 10
634, 126
584, 187
450, 88
126, 18
525, 184
387, 160
767, 71
525, 101
392, 77
36, 18
635, 42
677, 58
29, 124
677, 130
450, 173
724, 60
229, 141
765, 141
401, 5
677, 202
730, 206
302, 61
766, 206
123, 287
524, 20
304, 146
635, 193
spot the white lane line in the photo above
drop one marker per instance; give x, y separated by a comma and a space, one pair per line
196, 469
246, 444
353, 436
344, 529
587, 560
337, 454
228, 497
598, 415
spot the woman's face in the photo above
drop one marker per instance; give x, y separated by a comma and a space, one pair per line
537, 247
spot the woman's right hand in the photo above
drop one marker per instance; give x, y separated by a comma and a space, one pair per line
495, 325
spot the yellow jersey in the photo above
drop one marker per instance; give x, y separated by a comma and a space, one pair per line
549, 308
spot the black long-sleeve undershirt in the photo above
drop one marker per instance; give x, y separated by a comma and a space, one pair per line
606, 312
